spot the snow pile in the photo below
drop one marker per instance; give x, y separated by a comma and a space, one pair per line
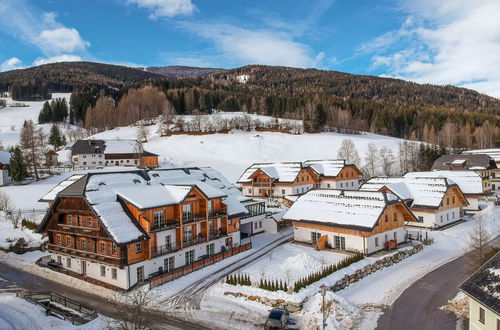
10, 235
300, 262
459, 305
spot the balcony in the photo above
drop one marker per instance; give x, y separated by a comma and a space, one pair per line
262, 184
166, 249
219, 234
189, 218
216, 214
164, 224
194, 241
109, 259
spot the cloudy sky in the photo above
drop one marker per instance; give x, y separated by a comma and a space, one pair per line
440, 42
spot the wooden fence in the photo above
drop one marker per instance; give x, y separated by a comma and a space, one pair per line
187, 269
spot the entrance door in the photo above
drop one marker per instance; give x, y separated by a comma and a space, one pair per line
117, 163
84, 267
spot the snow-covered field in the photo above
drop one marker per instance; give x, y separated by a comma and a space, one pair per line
14, 117
18, 314
232, 153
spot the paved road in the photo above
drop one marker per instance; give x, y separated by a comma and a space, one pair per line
12, 279
417, 307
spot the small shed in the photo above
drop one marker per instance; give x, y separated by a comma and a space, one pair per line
51, 158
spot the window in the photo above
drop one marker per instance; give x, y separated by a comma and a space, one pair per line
386, 238
482, 315
210, 249
80, 220
159, 218
84, 243
260, 224
68, 262
138, 248
453, 215
395, 236
188, 234
315, 237
189, 257
68, 241
282, 191
70, 220
420, 219
453, 199
59, 240
395, 216
376, 241
89, 221
341, 185
386, 218
114, 274
229, 221
187, 213
168, 264
59, 259
250, 190
339, 242
103, 271
328, 185
352, 184
113, 248
103, 247
256, 225
447, 200
140, 274
441, 218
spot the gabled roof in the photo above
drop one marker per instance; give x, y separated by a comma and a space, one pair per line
484, 284
469, 182
464, 162
52, 194
281, 172
327, 168
338, 207
425, 192
493, 153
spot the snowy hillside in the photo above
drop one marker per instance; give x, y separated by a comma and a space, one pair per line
15, 116
232, 153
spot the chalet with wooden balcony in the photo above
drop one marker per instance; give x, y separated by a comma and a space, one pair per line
122, 228
357, 221
336, 174
435, 201
277, 180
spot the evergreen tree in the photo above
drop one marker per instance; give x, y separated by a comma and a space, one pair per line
320, 118
17, 167
55, 138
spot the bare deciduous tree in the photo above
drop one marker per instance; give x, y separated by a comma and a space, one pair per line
478, 239
7, 208
32, 143
348, 151
387, 161
135, 310
372, 160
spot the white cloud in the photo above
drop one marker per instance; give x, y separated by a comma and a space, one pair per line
62, 40
445, 42
165, 8
12, 63
256, 46
56, 59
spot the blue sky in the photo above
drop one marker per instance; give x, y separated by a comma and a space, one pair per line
440, 42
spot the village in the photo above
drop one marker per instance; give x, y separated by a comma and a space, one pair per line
114, 217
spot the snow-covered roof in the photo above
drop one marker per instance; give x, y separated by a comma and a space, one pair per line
4, 157
101, 192
146, 196
282, 172
493, 153
52, 194
328, 168
425, 191
122, 147
468, 181
348, 208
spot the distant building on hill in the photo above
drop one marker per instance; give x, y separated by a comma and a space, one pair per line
100, 153
4, 168
482, 288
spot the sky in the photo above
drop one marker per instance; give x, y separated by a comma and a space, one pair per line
453, 42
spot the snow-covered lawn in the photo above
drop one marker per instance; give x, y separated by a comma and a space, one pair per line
9, 235
290, 262
232, 153
17, 313
15, 117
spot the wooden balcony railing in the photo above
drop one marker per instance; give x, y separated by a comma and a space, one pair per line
216, 214
166, 249
194, 241
217, 234
164, 224
109, 259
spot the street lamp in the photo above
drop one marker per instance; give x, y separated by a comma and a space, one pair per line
323, 289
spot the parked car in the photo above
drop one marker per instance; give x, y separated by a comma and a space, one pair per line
277, 319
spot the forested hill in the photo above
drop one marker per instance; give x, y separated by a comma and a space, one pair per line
179, 71
69, 76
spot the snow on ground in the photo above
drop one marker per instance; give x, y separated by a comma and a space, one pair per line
17, 313
14, 117
232, 153
9, 235
290, 262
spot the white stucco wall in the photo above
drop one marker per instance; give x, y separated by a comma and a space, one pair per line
434, 220
341, 184
91, 160
4, 177
490, 319
473, 204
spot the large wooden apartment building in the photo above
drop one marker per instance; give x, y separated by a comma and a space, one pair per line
434, 201
280, 180
358, 221
122, 228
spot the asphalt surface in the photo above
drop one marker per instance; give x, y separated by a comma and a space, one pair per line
417, 307
13, 280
